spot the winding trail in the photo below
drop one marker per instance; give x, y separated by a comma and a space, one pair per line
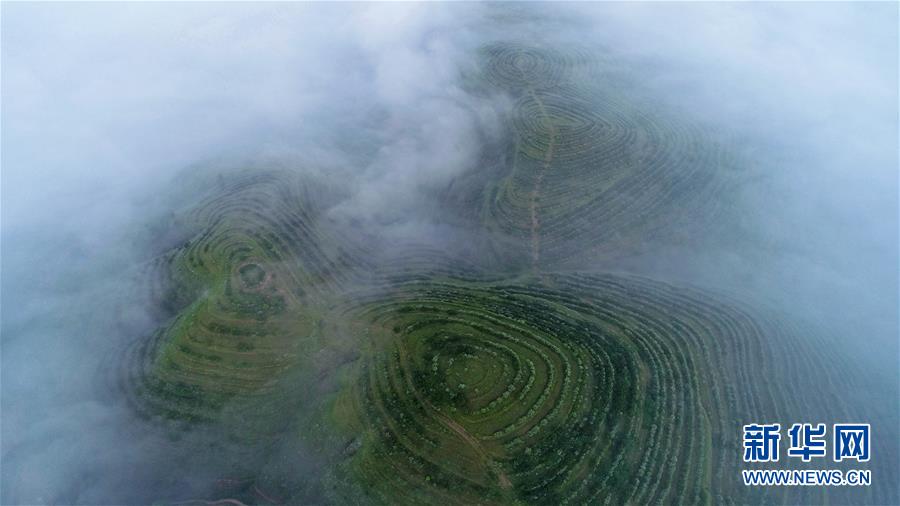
472, 441
235, 502
536, 190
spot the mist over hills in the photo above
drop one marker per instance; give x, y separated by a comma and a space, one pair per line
411, 253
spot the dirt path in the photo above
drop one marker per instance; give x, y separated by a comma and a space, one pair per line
235, 502
260, 493
536, 190
471, 441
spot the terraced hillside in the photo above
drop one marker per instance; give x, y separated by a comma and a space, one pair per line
452, 380
245, 291
594, 170
575, 390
